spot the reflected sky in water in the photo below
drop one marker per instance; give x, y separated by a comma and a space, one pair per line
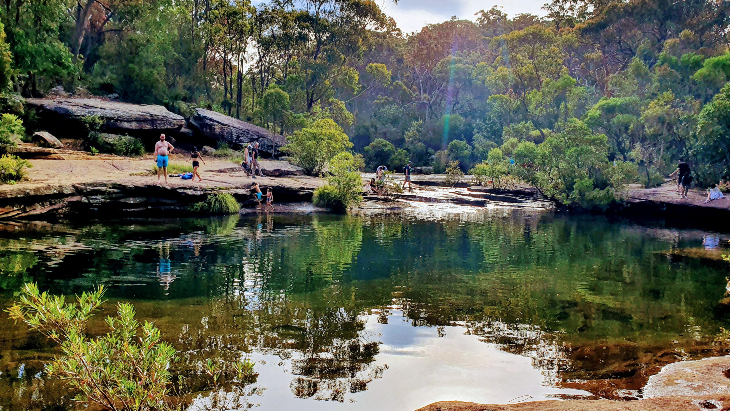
355, 312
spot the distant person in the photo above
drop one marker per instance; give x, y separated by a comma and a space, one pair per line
370, 186
256, 191
714, 194
682, 170
380, 173
255, 169
195, 156
247, 159
407, 174
162, 151
270, 199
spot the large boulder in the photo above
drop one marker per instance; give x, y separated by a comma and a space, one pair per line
46, 139
117, 117
234, 132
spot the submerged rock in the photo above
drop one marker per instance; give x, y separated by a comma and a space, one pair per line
234, 132
118, 117
691, 378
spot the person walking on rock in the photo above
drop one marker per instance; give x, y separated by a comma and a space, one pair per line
681, 171
162, 151
195, 156
407, 173
247, 159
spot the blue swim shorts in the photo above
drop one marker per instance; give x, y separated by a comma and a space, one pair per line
162, 161
258, 196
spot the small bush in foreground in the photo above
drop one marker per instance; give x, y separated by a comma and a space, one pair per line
121, 370
12, 169
11, 129
219, 203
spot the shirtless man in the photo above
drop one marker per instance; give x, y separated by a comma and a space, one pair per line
162, 149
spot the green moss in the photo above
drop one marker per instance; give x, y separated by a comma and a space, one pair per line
219, 203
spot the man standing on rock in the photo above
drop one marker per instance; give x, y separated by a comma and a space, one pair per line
681, 171
407, 173
162, 151
255, 157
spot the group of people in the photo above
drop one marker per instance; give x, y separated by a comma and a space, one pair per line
376, 187
163, 149
250, 165
684, 181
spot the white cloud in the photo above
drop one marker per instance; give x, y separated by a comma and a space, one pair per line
412, 15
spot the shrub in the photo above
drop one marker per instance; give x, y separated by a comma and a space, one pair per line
378, 153
493, 169
389, 186
11, 129
344, 185
311, 148
219, 203
327, 196
121, 370
119, 145
125, 146
12, 169
454, 175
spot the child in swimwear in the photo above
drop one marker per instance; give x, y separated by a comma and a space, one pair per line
256, 191
195, 155
269, 199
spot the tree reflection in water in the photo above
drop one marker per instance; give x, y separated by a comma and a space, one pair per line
584, 298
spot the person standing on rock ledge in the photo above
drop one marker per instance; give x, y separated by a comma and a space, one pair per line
681, 171
162, 151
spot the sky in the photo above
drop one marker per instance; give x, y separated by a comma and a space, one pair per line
412, 15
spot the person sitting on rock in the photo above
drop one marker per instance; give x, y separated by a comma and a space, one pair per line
714, 194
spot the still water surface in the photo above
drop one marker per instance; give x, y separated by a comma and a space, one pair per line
381, 312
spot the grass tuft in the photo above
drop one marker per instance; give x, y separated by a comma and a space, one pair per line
219, 203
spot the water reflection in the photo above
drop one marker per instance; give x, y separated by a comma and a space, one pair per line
343, 308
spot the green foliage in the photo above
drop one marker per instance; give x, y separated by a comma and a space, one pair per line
712, 148
174, 168
454, 175
495, 168
275, 104
112, 144
344, 184
12, 169
125, 369
313, 147
11, 130
219, 203
460, 151
6, 62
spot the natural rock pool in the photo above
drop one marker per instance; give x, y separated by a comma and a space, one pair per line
383, 311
